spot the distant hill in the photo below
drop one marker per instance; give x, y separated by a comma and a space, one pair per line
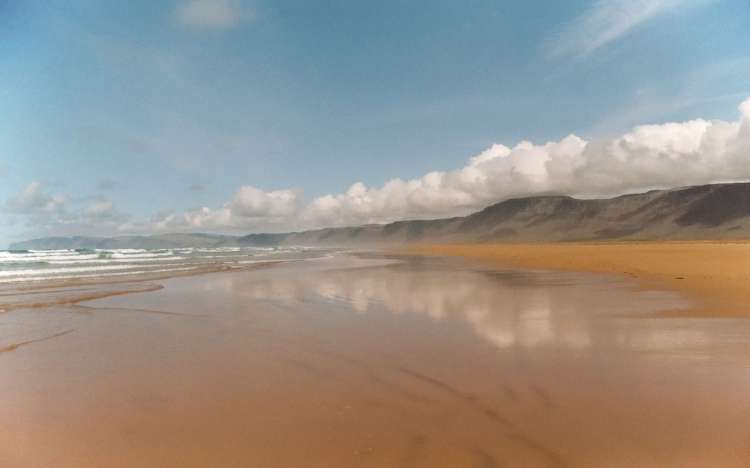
161, 241
717, 211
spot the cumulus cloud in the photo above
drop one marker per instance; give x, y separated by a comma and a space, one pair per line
649, 156
34, 199
249, 208
605, 21
46, 213
250, 202
212, 14
100, 209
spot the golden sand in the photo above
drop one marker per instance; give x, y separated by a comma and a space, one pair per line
716, 275
352, 362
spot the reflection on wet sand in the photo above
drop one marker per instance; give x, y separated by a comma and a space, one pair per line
350, 362
507, 308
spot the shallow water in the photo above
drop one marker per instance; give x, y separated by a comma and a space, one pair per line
23, 267
347, 361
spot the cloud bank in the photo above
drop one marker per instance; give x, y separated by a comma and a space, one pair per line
649, 156
35, 200
47, 213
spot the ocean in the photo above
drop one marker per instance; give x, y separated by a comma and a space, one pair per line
25, 266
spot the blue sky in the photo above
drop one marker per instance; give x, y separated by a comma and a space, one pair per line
239, 116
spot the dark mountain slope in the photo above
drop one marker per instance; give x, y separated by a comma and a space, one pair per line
718, 211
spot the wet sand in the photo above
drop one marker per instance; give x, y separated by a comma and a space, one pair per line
715, 275
357, 362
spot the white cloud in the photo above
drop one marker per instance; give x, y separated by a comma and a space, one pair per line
41, 212
649, 156
249, 208
250, 202
212, 14
100, 209
606, 21
34, 199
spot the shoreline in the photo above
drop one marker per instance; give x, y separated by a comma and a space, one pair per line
59, 291
713, 276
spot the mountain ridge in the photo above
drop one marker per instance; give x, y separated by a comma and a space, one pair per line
701, 212
159, 241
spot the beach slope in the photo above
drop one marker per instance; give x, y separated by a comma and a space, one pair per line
715, 275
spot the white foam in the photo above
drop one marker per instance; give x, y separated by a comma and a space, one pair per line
54, 271
115, 260
51, 251
104, 275
141, 255
58, 264
45, 258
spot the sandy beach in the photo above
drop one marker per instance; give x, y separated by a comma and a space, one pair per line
714, 275
371, 361
392, 234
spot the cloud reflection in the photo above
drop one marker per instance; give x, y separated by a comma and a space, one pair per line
508, 309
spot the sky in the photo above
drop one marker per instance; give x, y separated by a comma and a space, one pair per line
239, 116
